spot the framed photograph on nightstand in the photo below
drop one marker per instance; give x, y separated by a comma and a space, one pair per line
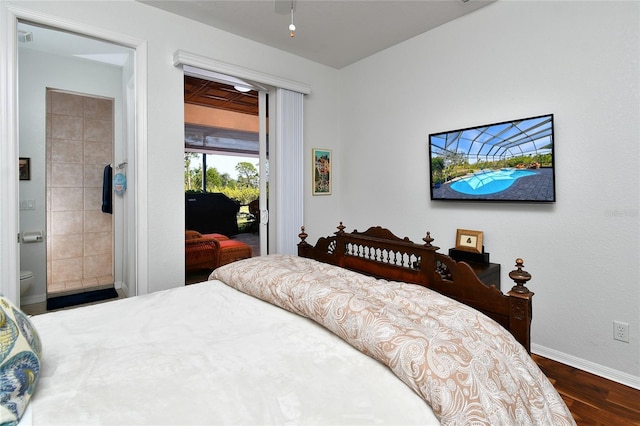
469, 240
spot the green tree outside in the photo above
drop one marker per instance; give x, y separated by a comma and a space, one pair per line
244, 190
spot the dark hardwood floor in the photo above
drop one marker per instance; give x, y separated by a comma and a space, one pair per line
592, 400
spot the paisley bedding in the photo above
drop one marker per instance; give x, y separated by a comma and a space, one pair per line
464, 365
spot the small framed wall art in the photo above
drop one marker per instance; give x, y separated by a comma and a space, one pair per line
24, 168
469, 240
321, 171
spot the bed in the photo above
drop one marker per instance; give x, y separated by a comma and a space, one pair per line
301, 339
379, 253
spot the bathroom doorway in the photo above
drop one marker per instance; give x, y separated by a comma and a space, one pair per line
89, 86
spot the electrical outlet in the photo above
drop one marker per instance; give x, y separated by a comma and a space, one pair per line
621, 331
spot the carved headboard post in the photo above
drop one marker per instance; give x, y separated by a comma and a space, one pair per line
303, 237
324, 250
340, 245
303, 245
428, 240
428, 269
520, 305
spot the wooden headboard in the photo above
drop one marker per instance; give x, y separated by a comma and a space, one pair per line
378, 252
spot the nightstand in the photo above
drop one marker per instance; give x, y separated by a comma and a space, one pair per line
489, 273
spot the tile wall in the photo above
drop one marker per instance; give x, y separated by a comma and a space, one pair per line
79, 234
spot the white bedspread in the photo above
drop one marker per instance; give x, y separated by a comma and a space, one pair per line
208, 354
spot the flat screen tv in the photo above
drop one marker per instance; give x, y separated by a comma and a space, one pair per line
511, 161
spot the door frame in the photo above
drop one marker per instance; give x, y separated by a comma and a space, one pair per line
263, 170
263, 148
9, 183
285, 143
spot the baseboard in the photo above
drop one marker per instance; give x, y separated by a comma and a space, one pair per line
588, 366
120, 285
30, 300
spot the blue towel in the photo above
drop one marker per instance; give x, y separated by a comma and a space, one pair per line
106, 189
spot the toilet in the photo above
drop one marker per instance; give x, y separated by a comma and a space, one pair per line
26, 279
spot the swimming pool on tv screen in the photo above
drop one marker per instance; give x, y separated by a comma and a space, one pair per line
488, 182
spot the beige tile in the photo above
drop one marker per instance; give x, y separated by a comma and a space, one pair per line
93, 198
77, 261
66, 127
66, 151
48, 231
98, 153
48, 149
66, 175
72, 285
93, 175
96, 221
89, 282
48, 174
66, 246
55, 287
105, 280
48, 121
66, 199
97, 243
95, 266
64, 270
66, 104
98, 108
98, 130
65, 223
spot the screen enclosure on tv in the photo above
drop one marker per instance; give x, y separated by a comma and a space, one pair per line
507, 161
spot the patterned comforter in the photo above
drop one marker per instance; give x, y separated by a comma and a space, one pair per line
463, 364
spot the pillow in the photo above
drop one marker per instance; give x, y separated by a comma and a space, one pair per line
20, 352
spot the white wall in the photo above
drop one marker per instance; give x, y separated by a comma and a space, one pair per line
578, 60
165, 34
39, 71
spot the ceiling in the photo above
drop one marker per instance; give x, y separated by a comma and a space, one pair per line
196, 91
220, 96
335, 33
58, 42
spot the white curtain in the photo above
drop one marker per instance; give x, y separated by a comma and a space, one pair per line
289, 170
